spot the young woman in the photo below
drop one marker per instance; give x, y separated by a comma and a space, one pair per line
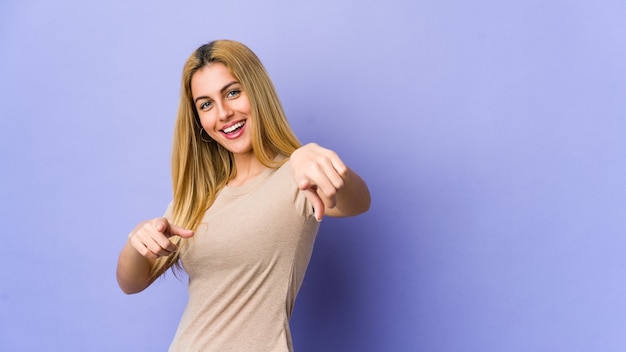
247, 201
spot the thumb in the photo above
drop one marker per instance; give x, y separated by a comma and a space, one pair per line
305, 184
161, 225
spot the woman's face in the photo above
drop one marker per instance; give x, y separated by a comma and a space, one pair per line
223, 107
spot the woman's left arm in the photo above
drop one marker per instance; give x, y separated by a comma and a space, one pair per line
333, 188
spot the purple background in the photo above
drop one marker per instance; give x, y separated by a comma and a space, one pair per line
491, 134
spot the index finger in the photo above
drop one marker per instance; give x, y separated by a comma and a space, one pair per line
316, 202
168, 229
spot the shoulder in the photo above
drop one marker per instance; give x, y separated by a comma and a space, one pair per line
284, 187
283, 170
282, 164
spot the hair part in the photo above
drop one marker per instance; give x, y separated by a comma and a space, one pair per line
200, 169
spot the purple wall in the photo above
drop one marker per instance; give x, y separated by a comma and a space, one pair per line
491, 133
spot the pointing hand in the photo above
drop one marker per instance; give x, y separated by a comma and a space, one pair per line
320, 174
152, 238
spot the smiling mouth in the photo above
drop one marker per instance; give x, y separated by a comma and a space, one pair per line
234, 127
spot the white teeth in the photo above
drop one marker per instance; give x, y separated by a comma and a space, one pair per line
233, 127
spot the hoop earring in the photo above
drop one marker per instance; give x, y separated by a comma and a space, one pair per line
202, 137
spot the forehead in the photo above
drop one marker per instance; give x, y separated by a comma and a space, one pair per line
210, 79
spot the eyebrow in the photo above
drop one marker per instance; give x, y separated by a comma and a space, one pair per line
221, 91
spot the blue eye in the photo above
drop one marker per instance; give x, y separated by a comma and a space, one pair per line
233, 93
206, 105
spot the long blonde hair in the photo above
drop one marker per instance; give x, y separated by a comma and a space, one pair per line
200, 169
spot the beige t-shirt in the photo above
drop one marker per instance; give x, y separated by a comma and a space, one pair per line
246, 263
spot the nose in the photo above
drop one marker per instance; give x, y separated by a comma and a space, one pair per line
224, 112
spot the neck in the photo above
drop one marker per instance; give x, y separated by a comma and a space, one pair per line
248, 167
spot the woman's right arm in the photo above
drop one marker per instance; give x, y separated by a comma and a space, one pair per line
148, 241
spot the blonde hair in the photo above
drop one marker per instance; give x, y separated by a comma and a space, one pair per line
201, 169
